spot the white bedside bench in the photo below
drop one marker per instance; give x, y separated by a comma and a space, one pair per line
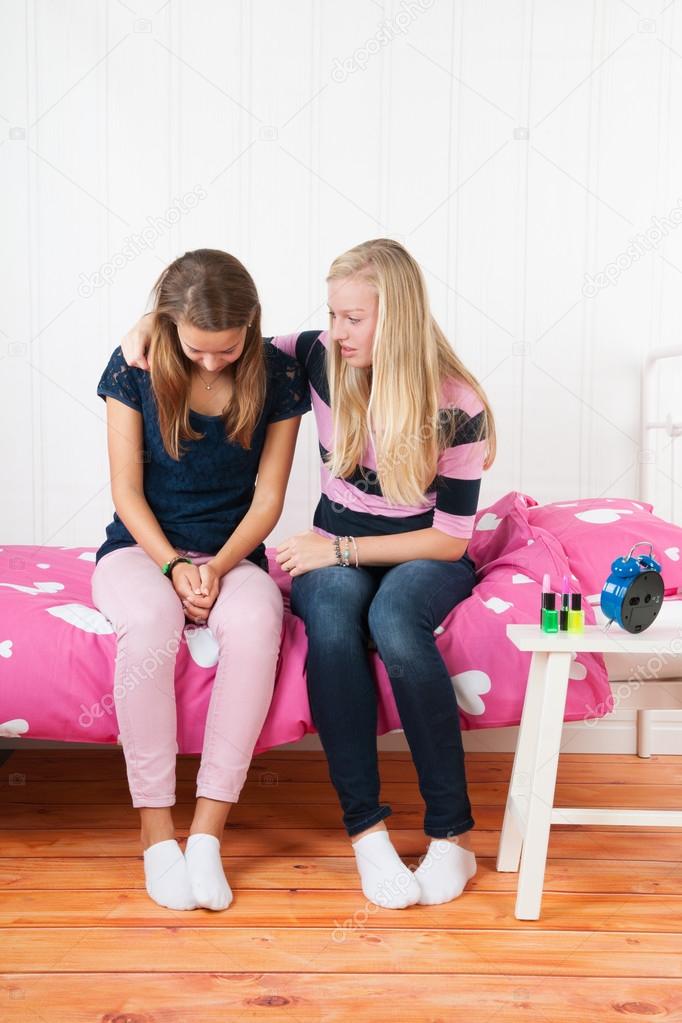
530, 809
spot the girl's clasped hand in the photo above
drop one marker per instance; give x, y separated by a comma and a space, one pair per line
197, 586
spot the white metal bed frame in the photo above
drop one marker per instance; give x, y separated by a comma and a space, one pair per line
653, 696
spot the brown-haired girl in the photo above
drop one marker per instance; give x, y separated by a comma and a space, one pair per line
200, 451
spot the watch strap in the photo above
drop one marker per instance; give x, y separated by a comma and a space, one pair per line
167, 569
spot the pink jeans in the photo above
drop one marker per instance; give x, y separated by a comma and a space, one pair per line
147, 614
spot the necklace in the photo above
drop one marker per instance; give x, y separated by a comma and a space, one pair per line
207, 386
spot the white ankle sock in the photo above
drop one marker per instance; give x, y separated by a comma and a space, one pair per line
444, 871
386, 881
206, 873
166, 877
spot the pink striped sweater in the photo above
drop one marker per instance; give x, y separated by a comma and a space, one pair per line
355, 505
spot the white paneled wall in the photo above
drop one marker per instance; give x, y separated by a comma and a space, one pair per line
517, 147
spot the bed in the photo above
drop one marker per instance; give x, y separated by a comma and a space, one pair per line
57, 651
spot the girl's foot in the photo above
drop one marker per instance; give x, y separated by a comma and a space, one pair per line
206, 874
386, 881
166, 877
444, 871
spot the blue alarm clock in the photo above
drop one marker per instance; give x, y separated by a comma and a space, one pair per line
632, 595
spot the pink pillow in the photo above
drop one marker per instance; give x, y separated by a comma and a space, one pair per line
500, 528
488, 671
596, 531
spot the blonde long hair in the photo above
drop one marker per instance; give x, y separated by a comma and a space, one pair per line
395, 404
211, 290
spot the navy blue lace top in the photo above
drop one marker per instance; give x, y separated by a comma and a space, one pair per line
201, 499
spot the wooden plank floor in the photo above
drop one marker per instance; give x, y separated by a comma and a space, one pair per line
80, 940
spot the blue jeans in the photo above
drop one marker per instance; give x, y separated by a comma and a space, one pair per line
398, 606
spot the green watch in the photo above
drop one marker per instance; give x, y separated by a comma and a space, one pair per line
167, 569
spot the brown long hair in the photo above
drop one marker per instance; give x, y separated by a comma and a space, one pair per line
210, 290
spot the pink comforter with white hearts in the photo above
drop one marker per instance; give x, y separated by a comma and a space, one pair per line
57, 652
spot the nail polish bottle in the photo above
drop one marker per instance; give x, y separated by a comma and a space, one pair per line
547, 601
576, 616
550, 617
563, 613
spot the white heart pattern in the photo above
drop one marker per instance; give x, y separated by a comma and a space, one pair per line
488, 521
519, 577
673, 553
36, 588
86, 556
602, 515
42, 565
6, 648
469, 686
203, 647
13, 729
577, 670
82, 617
497, 605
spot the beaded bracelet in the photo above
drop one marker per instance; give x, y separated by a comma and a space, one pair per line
337, 551
343, 558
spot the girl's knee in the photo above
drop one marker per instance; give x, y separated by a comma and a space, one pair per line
391, 607
268, 599
152, 620
331, 594
155, 610
256, 609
